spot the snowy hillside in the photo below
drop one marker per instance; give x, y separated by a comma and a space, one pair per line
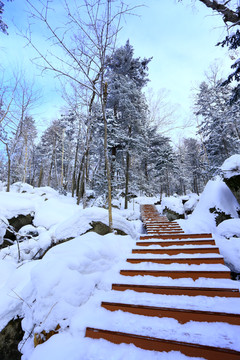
63, 288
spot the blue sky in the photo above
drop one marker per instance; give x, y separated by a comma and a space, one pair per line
180, 39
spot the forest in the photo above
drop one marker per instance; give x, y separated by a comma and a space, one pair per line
113, 136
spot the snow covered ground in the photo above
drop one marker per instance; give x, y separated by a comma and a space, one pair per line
67, 285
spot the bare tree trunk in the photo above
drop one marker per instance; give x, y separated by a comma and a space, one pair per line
127, 171
40, 176
161, 193
62, 168
103, 101
9, 168
74, 183
127, 179
25, 163
79, 180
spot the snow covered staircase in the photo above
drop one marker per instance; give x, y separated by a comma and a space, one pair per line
165, 262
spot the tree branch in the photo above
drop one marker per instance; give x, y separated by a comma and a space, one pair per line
228, 14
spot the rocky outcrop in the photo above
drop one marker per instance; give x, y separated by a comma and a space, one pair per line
10, 337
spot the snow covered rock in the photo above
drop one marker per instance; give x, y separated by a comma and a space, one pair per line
190, 203
172, 207
216, 200
231, 174
229, 228
80, 223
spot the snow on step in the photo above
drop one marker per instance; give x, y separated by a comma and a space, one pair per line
186, 249
125, 294
174, 260
176, 242
175, 267
189, 291
150, 343
167, 281
175, 274
180, 236
181, 315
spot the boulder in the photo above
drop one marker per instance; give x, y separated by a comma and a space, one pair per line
234, 185
172, 215
10, 337
231, 174
103, 229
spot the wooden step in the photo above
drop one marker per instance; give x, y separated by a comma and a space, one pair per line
156, 344
190, 261
177, 242
181, 315
162, 223
177, 274
181, 236
163, 228
180, 250
155, 221
164, 233
179, 290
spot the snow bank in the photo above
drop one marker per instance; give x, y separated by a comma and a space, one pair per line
67, 277
12, 204
53, 211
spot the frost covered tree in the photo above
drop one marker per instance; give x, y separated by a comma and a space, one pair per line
219, 123
126, 77
162, 164
49, 155
23, 150
194, 165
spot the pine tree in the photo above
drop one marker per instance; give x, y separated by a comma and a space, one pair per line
219, 123
126, 77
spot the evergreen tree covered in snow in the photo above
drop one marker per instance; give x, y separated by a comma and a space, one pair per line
23, 149
126, 77
219, 123
194, 165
